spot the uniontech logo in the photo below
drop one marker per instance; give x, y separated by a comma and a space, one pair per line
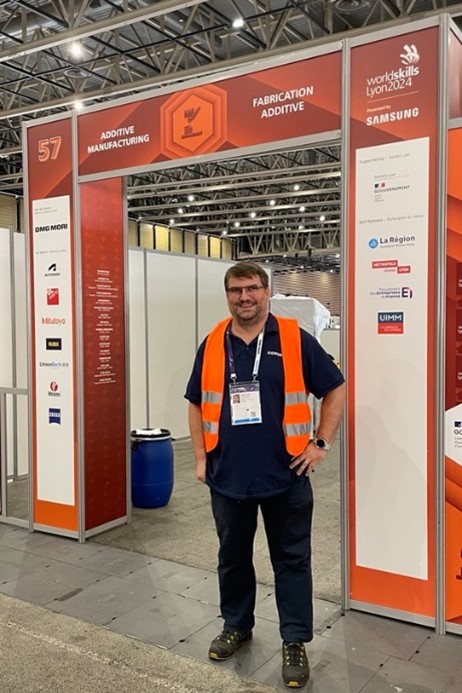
410, 56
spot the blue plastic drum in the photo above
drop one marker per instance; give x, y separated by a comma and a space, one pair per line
152, 467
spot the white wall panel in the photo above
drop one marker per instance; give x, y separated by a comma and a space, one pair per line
22, 436
137, 340
211, 297
20, 289
6, 347
22, 433
171, 338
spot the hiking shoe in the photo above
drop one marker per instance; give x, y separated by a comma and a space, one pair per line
226, 644
295, 667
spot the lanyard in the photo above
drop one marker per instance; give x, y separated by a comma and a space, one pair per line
256, 365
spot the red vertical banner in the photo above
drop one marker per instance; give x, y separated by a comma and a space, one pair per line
53, 384
392, 223
453, 404
103, 328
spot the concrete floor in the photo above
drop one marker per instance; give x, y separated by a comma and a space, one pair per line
135, 609
87, 618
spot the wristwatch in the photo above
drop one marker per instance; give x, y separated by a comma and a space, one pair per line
322, 444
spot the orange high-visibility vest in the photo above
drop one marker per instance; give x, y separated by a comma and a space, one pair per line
297, 415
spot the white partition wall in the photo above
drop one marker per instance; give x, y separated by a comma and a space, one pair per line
13, 360
20, 308
6, 337
171, 313
211, 298
19, 464
137, 337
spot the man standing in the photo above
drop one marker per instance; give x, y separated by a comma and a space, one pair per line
250, 428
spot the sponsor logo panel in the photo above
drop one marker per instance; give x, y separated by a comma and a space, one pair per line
54, 415
54, 343
52, 297
390, 322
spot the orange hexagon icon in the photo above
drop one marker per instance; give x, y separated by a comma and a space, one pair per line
193, 122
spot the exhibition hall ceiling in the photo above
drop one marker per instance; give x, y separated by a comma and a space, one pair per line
57, 55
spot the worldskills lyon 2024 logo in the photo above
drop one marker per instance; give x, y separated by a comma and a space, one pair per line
389, 84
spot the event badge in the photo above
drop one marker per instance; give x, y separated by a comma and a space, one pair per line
244, 397
245, 403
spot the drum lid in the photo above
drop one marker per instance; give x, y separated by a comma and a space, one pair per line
150, 434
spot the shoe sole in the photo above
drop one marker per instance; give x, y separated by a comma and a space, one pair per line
214, 656
295, 684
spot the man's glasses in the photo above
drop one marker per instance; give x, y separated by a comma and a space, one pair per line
239, 290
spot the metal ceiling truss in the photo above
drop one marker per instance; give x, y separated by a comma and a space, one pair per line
132, 45
275, 203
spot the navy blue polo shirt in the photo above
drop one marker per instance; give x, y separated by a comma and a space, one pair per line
251, 461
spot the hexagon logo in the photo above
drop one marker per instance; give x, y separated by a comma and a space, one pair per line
193, 122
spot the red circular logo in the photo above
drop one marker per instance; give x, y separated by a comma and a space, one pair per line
54, 386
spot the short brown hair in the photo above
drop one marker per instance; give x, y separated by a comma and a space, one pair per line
248, 270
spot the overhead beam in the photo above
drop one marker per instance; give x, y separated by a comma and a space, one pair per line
92, 29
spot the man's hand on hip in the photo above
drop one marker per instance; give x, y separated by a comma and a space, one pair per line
307, 461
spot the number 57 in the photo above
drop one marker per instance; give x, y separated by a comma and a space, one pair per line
49, 148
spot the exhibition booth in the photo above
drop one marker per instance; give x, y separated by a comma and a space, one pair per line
388, 99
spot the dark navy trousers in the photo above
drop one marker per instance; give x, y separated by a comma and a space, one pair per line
287, 520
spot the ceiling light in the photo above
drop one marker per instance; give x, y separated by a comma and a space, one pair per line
301, 209
190, 198
171, 222
296, 187
78, 105
238, 23
236, 224
272, 202
322, 217
180, 210
76, 49
301, 227
349, 6
252, 215
224, 232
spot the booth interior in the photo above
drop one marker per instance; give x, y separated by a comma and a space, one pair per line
388, 100
174, 299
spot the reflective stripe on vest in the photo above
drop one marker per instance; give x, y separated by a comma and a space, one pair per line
295, 397
297, 415
212, 397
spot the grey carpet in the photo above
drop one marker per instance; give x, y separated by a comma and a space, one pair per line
183, 531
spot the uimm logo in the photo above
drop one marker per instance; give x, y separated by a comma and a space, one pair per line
390, 322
